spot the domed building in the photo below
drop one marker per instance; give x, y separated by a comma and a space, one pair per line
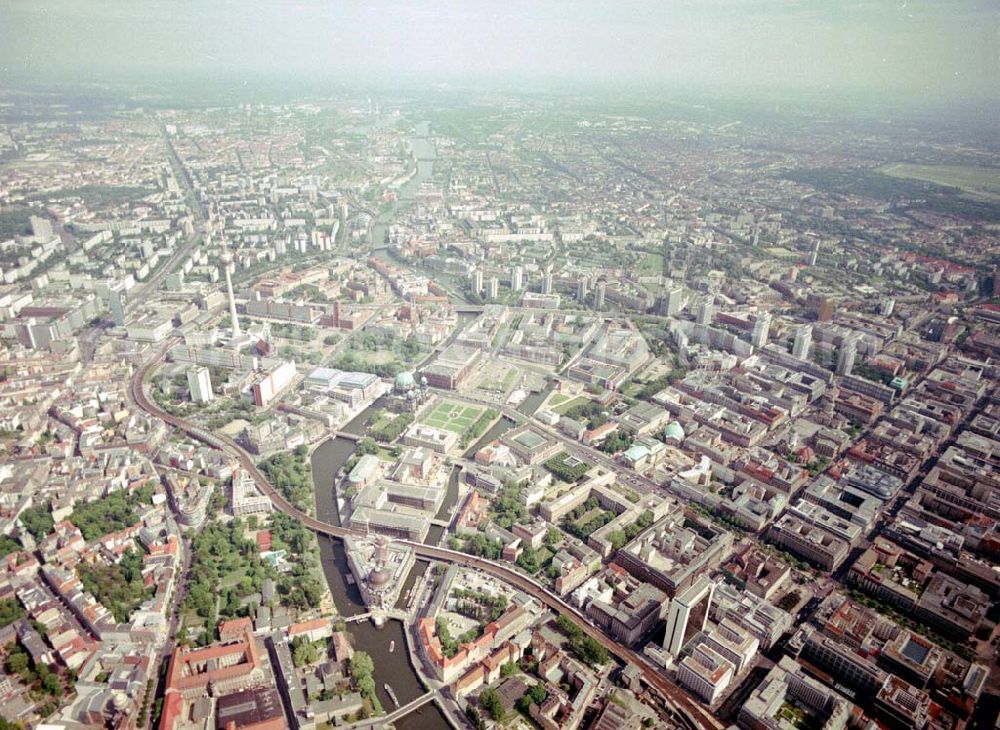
406, 394
380, 568
405, 382
380, 590
674, 432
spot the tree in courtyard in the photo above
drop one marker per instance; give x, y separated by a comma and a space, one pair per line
490, 700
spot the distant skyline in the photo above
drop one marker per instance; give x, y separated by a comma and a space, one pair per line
923, 49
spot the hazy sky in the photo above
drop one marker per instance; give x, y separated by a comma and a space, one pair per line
921, 47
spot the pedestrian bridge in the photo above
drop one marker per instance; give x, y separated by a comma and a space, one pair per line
397, 714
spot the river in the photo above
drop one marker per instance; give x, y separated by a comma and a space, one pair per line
530, 404
392, 668
327, 460
424, 152
428, 717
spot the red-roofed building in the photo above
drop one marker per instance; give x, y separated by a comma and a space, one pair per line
470, 681
473, 512
320, 628
496, 633
234, 630
600, 433
214, 670
170, 547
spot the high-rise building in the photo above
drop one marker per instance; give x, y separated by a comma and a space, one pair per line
814, 254
226, 257
516, 278
846, 354
706, 310
675, 300
760, 329
547, 283
200, 385
706, 673
477, 281
599, 293
888, 305
492, 288
803, 341
41, 228
116, 303
688, 614
582, 288
733, 642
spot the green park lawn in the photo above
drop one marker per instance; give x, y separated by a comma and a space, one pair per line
455, 417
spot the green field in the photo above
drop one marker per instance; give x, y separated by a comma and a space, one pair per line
652, 263
455, 417
569, 404
981, 181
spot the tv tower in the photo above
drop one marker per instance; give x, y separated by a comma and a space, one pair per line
226, 257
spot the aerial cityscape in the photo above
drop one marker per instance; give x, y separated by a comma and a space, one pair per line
533, 404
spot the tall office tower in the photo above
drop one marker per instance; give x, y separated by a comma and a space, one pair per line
888, 305
845, 356
581, 289
200, 385
477, 281
116, 303
760, 329
226, 257
675, 300
547, 283
516, 278
492, 288
688, 614
706, 310
601, 290
41, 228
803, 341
814, 254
